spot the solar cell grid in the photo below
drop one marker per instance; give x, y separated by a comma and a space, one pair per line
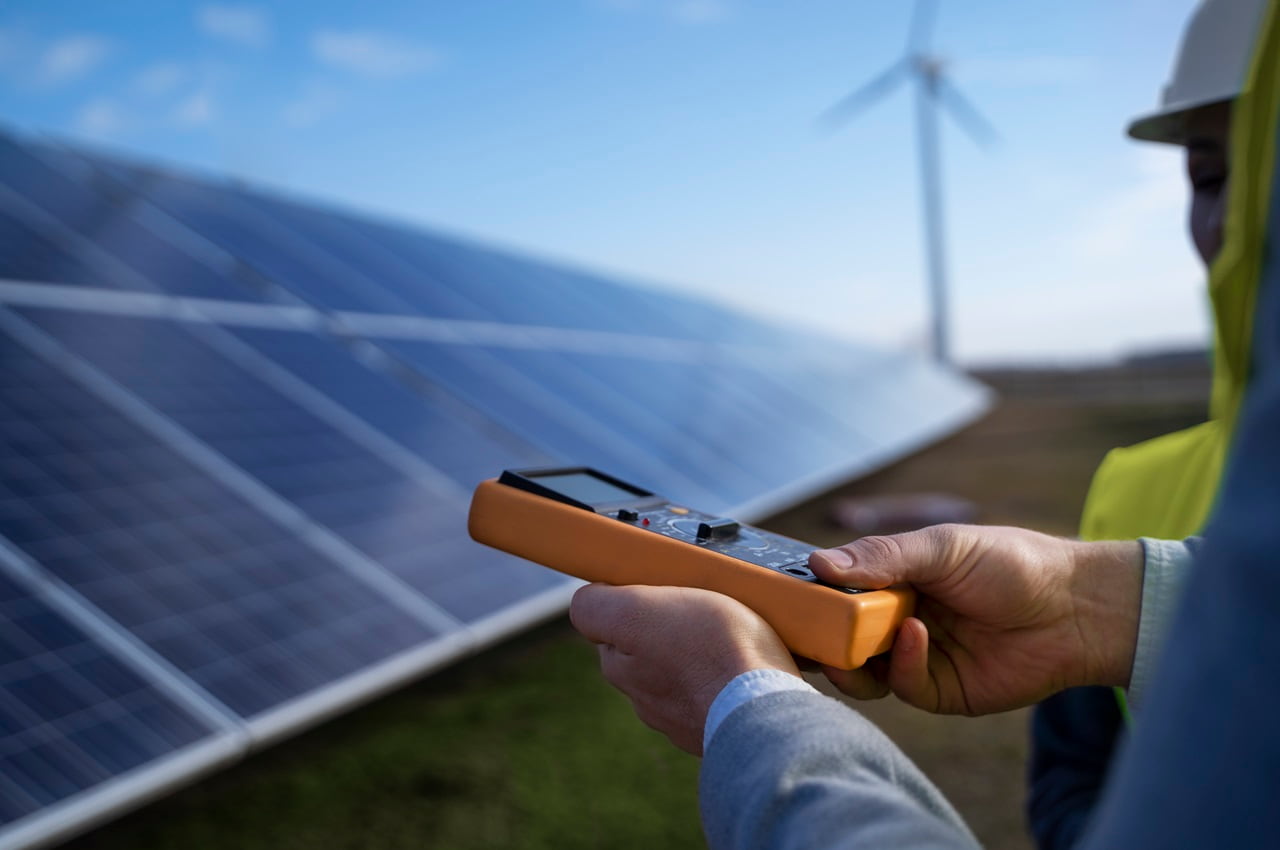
288, 447
491, 286
141, 563
566, 432
56, 193
390, 517
26, 254
727, 414
648, 311
82, 210
71, 715
472, 582
344, 271
882, 404
647, 405
269, 247
453, 436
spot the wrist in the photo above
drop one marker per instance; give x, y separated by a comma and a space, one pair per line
1107, 597
746, 687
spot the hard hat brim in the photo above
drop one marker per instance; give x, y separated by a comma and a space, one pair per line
1168, 126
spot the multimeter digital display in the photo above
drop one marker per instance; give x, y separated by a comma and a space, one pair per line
599, 528
586, 487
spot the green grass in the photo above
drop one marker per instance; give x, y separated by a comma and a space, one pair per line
525, 747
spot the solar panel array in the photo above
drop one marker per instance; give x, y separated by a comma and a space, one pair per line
238, 435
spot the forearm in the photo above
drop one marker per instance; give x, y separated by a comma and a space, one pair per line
799, 770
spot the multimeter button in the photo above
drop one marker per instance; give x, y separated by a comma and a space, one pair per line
675, 510
718, 529
628, 516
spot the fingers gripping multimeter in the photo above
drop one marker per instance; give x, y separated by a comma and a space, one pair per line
596, 527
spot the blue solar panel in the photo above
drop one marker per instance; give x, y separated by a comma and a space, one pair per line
883, 410
226, 218
385, 513
78, 207
72, 716
27, 255
637, 402
268, 504
475, 275
429, 421
232, 599
724, 411
537, 413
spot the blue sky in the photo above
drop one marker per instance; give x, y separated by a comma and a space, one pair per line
674, 142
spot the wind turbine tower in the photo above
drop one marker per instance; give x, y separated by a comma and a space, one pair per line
933, 90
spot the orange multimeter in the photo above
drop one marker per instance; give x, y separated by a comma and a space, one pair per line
596, 527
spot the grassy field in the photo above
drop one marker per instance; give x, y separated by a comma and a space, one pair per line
526, 747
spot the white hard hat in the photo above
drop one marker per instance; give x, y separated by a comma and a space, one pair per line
1211, 66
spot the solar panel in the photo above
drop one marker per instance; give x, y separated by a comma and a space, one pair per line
238, 603
238, 434
426, 421
72, 715
99, 226
28, 255
395, 517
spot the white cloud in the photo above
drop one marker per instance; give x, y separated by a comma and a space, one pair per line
195, 110
246, 25
159, 79
71, 57
100, 117
315, 104
372, 54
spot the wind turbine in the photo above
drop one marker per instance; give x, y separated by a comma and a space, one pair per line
932, 90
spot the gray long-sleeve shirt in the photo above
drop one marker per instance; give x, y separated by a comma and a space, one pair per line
786, 767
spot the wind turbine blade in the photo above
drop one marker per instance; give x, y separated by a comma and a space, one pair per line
967, 115
861, 98
922, 18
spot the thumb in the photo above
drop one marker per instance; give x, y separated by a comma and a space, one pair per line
872, 563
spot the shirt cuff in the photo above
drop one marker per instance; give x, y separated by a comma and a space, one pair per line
744, 688
1167, 565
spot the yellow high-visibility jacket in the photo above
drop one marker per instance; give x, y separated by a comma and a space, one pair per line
1166, 487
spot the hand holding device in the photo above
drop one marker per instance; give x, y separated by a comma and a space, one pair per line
671, 650
1005, 617
601, 529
